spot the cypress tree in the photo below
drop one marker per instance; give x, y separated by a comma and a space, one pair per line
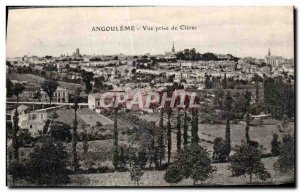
194, 131
160, 137
185, 130
178, 131
228, 107
115, 141
169, 136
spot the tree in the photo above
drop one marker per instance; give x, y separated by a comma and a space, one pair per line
228, 107
161, 139
47, 164
286, 158
247, 117
194, 130
169, 137
275, 150
247, 161
9, 88
257, 79
75, 106
115, 141
195, 163
185, 129
53, 116
60, 131
99, 82
178, 131
16, 170
135, 169
15, 144
173, 175
122, 161
225, 82
85, 144
18, 88
220, 152
50, 86
37, 96
87, 78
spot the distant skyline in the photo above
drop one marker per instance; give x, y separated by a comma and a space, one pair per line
240, 31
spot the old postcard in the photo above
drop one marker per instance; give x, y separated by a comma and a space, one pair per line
150, 96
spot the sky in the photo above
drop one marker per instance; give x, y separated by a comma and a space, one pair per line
240, 31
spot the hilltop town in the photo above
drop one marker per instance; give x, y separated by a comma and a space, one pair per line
240, 100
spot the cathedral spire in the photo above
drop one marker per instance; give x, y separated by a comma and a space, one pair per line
173, 48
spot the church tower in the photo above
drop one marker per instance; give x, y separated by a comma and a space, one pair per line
173, 48
269, 53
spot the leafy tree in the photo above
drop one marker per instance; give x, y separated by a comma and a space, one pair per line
247, 161
37, 96
135, 169
53, 116
275, 150
50, 86
219, 153
173, 175
286, 158
209, 57
60, 131
87, 78
99, 82
98, 124
47, 164
9, 88
16, 170
195, 163
18, 88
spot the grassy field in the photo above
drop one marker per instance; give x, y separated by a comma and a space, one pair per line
34, 81
155, 178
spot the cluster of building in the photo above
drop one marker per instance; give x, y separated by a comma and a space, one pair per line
144, 73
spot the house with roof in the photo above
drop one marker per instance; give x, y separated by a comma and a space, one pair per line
31, 121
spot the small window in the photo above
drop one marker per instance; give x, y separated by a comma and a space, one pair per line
30, 126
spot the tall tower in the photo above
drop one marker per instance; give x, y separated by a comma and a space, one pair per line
269, 53
77, 52
173, 48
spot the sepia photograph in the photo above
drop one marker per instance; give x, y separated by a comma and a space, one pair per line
150, 96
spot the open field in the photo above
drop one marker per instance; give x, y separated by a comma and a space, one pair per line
156, 178
35, 81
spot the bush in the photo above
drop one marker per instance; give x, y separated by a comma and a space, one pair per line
173, 175
219, 154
